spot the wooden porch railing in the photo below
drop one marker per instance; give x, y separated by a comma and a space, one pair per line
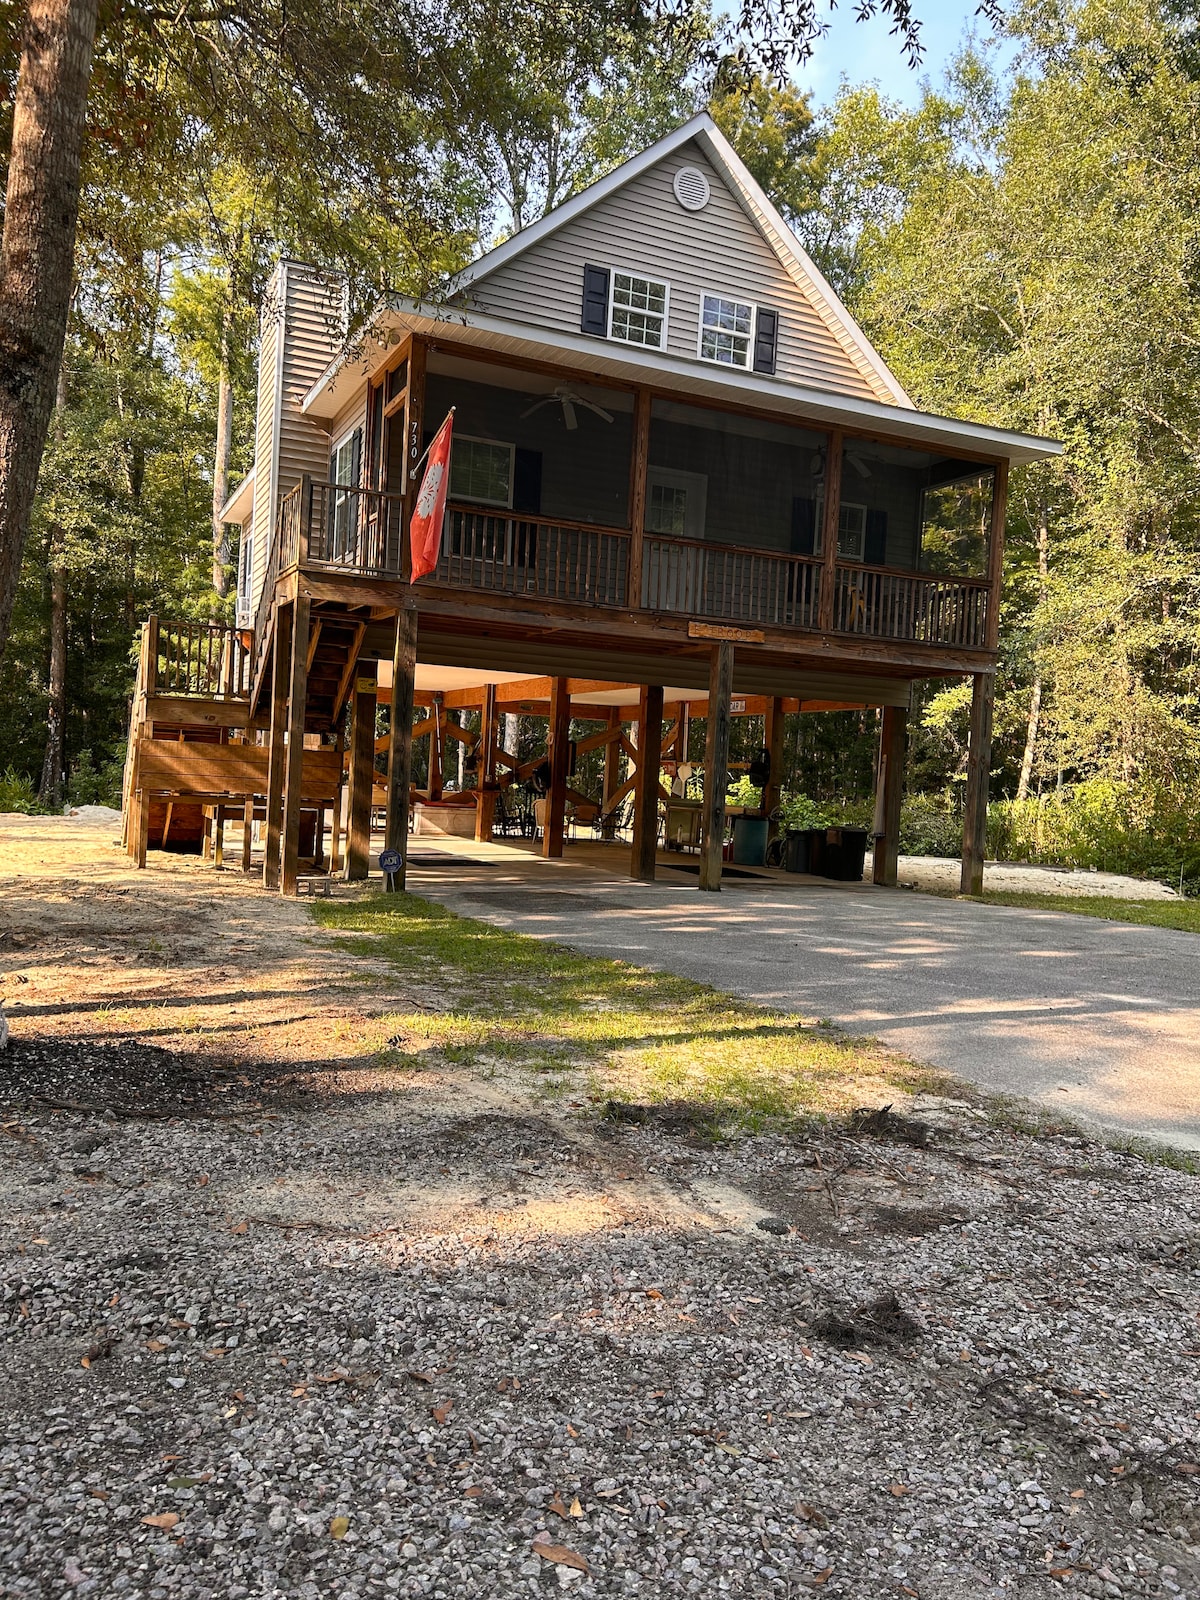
507, 554
714, 580
198, 658
351, 530
923, 607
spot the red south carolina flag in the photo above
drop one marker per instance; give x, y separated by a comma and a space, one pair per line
425, 529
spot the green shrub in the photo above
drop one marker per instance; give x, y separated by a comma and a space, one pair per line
90, 785
928, 827
17, 792
744, 793
1109, 826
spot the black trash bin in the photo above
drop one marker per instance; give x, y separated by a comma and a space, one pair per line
795, 850
843, 854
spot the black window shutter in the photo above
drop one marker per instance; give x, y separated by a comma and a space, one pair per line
875, 540
527, 481
804, 526
594, 317
766, 334
356, 458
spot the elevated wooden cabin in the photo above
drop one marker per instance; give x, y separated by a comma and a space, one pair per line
681, 477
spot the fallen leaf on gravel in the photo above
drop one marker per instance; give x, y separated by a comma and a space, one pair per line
556, 1505
1061, 1572
822, 1577
473, 1492
1186, 1466
340, 1527
240, 1227
729, 1449
98, 1494
654, 1294
202, 1180
576, 1509
1078, 1494
85, 1361
165, 1520
898, 1489
440, 1413
574, 1432
561, 1555
422, 1377
156, 1345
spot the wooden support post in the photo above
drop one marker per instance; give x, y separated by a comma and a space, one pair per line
206, 834
557, 752
638, 466
362, 773
612, 768
716, 765
219, 837
773, 744
436, 745
293, 771
830, 522
247, 834
319, 839
645, 805
979, 761
141, 830
996, 554
485, 765
893, 737
277, 754
404, 669
335, 831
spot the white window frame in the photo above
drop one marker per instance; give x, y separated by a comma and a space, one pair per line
695, 484
634, 272
346, 439
492, 444
752, 307
845, 505
245, 587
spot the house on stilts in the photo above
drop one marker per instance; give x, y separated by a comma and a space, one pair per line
682, 485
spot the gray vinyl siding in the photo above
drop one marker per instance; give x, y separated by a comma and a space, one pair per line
303, 309
643, 228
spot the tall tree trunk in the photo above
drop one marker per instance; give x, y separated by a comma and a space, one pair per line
50, 788
222, 555
36, 255
1035, 693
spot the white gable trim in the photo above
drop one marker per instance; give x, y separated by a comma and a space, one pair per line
795, 260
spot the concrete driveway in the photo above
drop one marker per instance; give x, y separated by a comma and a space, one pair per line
1099, 1019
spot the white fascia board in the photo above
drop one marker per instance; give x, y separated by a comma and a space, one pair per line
796, 260
240, 501
578, 204
679, 376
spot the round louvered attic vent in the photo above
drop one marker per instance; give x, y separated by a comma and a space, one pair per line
691, 189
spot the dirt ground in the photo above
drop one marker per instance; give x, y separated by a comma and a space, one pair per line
277, 1318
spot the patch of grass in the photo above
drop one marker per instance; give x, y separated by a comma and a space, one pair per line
621, 1031
1182, 914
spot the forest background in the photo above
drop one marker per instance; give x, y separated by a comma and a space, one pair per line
1022, 244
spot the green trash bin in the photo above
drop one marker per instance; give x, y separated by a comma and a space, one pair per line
749, 841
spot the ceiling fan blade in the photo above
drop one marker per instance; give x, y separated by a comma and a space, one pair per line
537, 405
599, 411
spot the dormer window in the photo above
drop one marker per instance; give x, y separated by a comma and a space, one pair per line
638, 310
735, 333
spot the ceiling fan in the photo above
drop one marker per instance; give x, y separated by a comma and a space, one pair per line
569, 399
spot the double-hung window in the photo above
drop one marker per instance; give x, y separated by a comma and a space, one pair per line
852, 530
481, 470
637, 312
726, 330
345, 469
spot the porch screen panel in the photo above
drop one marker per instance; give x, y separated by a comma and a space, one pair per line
730, 516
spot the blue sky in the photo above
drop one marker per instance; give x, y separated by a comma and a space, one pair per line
866, 52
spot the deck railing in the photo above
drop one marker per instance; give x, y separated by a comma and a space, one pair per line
516, 554
736, 585
200, 658
923, 607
